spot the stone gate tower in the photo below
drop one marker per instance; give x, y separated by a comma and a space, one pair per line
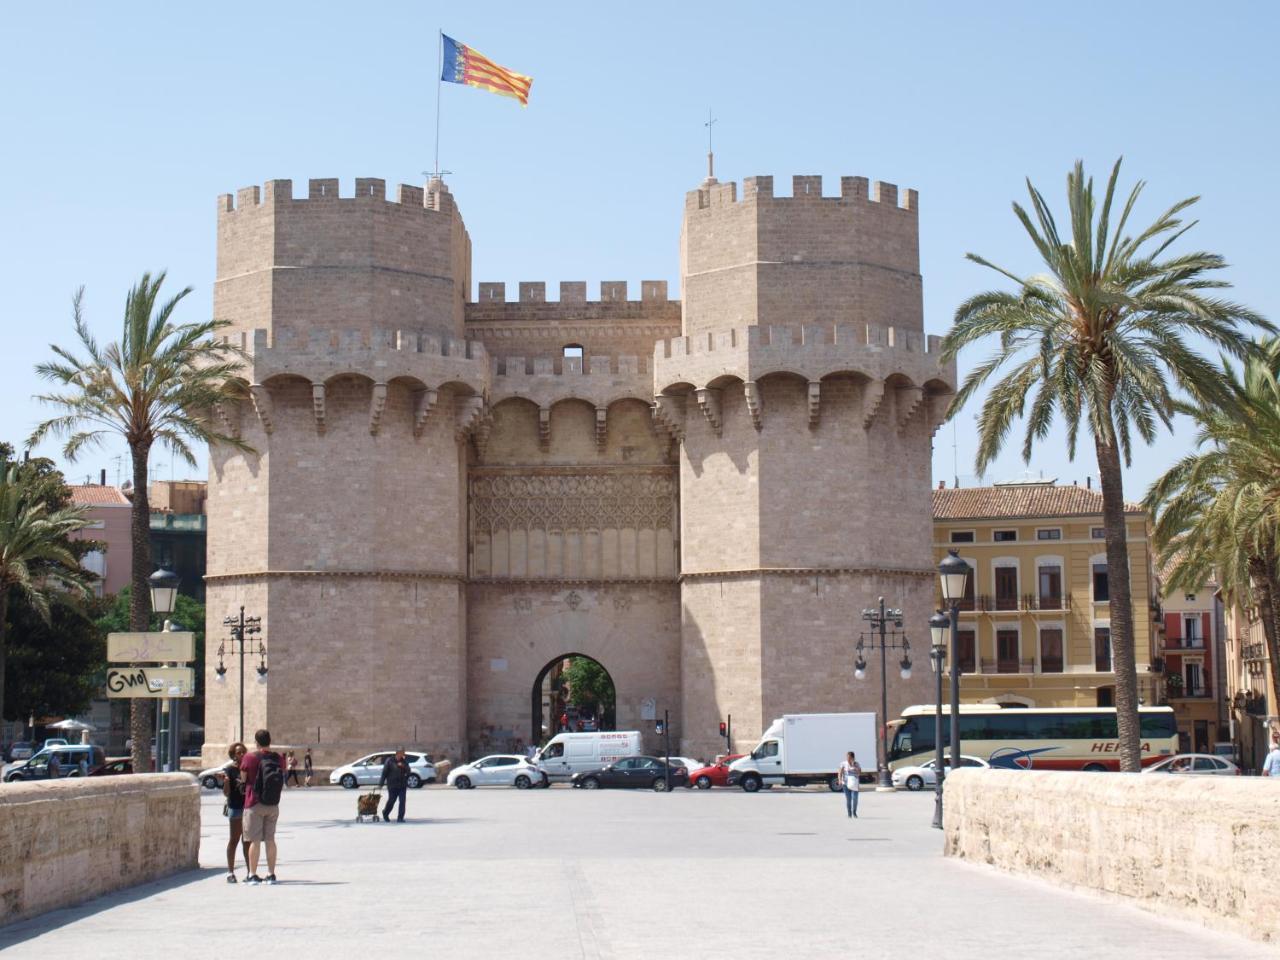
446, 497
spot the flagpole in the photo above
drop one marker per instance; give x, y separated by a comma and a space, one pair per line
439, 84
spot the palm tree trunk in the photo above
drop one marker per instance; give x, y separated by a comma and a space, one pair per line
1123, 656
1266, 585
4, 612
140, 600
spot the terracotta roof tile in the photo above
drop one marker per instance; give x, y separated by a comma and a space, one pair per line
1019, 500
93, 495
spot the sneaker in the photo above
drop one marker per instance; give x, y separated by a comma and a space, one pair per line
271, 879
385, 818
254, 880
231, 878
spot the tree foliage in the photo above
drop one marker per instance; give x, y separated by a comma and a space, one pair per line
56, 667
590, 686
1103, 339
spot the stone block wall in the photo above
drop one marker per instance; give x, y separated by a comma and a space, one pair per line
1196, 847
67, 841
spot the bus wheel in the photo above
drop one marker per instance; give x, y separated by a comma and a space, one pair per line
1094, 768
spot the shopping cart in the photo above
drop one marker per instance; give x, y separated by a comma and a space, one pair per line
367, 806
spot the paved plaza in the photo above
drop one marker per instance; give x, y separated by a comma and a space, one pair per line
566, 873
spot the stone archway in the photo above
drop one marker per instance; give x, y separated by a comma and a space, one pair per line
552, 697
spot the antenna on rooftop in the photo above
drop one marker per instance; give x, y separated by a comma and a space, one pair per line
711, 157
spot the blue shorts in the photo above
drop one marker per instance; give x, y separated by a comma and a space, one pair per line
235, 813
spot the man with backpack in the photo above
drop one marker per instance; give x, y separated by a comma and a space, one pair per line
262, 772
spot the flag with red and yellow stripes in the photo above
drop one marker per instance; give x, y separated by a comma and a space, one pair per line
463, 64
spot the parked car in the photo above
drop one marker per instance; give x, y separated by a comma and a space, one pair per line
113, 767
368, 770
919, 777
212, 779
54, 742
689, 763
646, 772
21, 750
568, 753
1196, 764
713, 775
498, 770
69, 762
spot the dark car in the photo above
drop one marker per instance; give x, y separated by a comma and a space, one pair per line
113, 767
649, 773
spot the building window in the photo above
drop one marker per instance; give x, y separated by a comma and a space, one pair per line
1106, 696
1189, 597
95, 561
1194, 686
1051, 650
968, 602
1191, 632
962, 536
1050, 582
1006, 588
966, 651
1004, 536
573, 351
1006, 651
1053, 534
1098, 533
1101, 588
1102, 649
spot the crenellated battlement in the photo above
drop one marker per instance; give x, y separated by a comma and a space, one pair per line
574, 292
434, 197
808, 338
804, 189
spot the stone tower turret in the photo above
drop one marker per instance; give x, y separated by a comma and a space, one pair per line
344, 528
804, 396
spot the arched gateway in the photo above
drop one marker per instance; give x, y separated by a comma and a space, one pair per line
573, 692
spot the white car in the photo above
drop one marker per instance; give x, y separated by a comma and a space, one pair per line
368, 770
689, 763
919, 777
1196, 764
212, 778
498, 770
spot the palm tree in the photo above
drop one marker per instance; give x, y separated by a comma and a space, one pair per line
1102, 339
1219, 506
35, 557
158, 384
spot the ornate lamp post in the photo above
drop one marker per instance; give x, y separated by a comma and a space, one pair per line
938, 625
163, 585
879, 618
240, 628
953, 574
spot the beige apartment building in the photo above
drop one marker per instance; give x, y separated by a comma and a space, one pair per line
1250, 692
1035, 628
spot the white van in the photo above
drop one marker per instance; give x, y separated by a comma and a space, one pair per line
568, 753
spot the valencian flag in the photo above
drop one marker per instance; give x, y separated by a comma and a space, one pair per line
465, 65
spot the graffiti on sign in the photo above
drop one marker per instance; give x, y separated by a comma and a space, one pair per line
152, 682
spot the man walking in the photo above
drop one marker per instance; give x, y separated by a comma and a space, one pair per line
1271, 765
263, 775
395, 777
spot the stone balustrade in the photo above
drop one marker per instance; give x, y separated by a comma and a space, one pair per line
1201, 848
66, 841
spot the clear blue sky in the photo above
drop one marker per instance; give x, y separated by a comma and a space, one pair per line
122, 124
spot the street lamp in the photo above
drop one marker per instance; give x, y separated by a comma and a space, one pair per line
879, 618
953, 574
240, 628
938, 625
163, 585
164, 591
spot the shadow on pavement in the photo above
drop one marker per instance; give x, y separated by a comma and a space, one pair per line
24, 930
411, 822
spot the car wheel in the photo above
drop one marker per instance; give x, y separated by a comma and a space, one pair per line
522, 782
703, 782
1094, 768
591, 783
915, 782
834, 784
414, 781
751, 783
209, 783
463, 783
348, 780
660, 785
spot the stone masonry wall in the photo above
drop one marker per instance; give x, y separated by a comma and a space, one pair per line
67, 841
1194, 847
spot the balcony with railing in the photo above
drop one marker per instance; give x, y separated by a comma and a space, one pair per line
1183, 644
1026, 603
1006, 665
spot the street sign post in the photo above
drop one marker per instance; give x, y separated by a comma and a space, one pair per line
160, 647
155, 683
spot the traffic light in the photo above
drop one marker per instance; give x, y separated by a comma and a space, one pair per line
657, 727
724, 729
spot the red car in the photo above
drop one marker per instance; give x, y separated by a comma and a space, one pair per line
716, 775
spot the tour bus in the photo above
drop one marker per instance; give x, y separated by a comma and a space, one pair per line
1031, 738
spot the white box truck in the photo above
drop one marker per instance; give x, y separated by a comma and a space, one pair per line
804, 748
568, 753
